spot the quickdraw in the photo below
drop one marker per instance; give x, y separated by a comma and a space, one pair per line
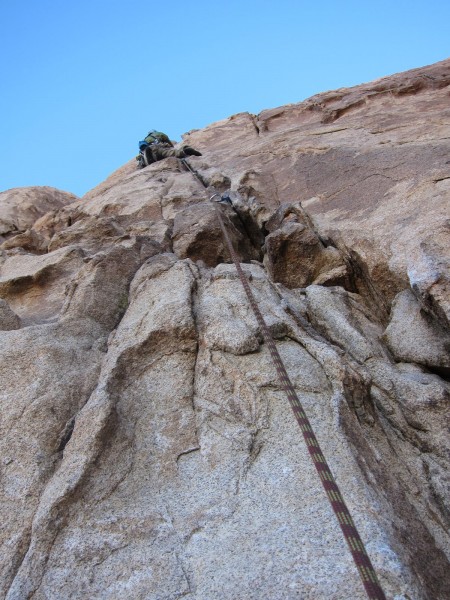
362, 561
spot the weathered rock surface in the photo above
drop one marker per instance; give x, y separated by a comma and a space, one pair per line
21, 207
291, 235
412, 336
8, 318
371, 167
147, 450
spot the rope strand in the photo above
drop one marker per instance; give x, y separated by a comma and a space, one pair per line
360, 557
356, 546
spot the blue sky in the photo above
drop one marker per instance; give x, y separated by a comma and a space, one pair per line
83, 81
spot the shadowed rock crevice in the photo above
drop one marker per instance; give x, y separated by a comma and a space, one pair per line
413, 540
296, 256
66, 434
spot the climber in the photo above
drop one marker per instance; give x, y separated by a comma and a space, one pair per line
157, 146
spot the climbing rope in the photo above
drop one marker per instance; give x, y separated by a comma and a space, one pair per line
356, 546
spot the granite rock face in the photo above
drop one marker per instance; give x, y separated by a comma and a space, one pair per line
291, 235
21, 207
147, 449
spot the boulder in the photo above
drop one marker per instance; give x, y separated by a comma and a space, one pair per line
20, 208
413, 336
296, 256
197, 234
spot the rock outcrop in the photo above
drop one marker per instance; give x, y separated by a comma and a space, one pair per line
147, 450
21, 207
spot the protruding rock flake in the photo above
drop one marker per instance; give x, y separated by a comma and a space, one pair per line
147, 446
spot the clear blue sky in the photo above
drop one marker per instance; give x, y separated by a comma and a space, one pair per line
83, 81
